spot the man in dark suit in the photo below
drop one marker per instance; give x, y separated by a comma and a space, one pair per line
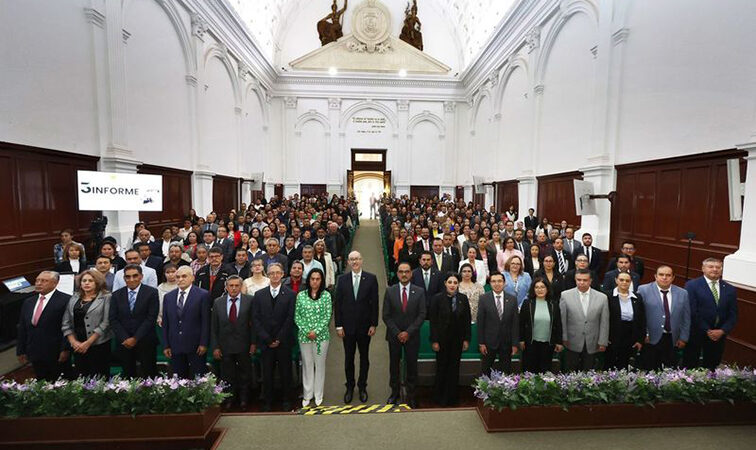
521, 245
531, 220
594, 255
563, 260
451, 250
240, 266
272, 254
226, 244
186, 326
133, 313
441, 261
212, 277
404, 311
498, 326
208, 239
636, 264
273, 321
148, 259
581, 262
428, 278
291, 252
424, 243
355, 303
40, 339
714, 311
233, 339
623, 265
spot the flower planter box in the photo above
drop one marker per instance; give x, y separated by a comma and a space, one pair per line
579, 417
164, 431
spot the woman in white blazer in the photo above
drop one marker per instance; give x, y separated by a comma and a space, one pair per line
480, 267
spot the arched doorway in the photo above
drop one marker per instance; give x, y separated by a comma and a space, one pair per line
368, 180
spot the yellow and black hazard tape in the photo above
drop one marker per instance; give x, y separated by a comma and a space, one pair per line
349, 409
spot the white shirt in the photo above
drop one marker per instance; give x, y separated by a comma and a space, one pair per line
585, 300
709, 281
166, 246
275, 290
149, 278
44, 303
626, 306
75, 265
185, 291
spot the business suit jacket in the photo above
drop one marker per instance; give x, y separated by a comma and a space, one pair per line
567, 259
227, 245
579, 329
609, 282
202, 280
397, 321
184, 333
273, 320
636, 265
43, 342
356, 315
573, 249
447, 263
291, 256
493, 332
232, 338
435, 284
705, 312
447, 325
245, 272
615, 318
156, 249
569, 280
455, 256
419, 247
278, 257
597, 256
556, 285
680, 319
531, 222
527, 317
97, 319
65, 267
139, 324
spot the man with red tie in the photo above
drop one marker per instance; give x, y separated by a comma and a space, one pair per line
234, 340
404, 311
40, 339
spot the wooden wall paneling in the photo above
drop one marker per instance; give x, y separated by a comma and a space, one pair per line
278, 190
177, 198
556, 198
8, 198
424, 191
459, 193
313, 189
225, 194
507, 193
741, 343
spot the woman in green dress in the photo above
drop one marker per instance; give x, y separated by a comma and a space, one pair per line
313, 316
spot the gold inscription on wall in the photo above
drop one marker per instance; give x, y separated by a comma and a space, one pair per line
369, 125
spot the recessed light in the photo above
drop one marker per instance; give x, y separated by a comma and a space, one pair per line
402, 73
333, 71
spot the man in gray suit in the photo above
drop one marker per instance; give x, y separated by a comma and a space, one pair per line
498, 326
233, 339
667, 320
404, 311
585, 323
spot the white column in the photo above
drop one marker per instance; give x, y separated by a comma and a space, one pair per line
336, 170
246, 192
270, 189
489, 196
288, 176
527, 195
740, 267
403, 158
202, 192
604, 181
450, 147
120, 223
468, 194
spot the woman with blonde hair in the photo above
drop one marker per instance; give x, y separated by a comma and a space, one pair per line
257, 280
73, 259
325, 259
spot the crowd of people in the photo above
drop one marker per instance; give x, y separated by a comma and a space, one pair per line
269, 279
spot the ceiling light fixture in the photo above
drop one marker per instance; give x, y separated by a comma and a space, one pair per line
402, 73
333, 71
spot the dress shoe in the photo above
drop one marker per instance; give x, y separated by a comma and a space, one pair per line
363, 395
305, 403
393, 400
318, 402
348, 395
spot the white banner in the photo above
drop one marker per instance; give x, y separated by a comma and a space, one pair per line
108, 191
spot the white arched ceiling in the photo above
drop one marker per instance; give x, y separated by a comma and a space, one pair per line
454, 31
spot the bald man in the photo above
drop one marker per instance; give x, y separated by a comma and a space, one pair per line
355, 303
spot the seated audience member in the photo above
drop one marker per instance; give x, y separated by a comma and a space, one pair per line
636, 264
667, 320
581, 262
470, 288
273, 321
133, 314
623, 266
627, 323
257, 280
450, 334
212, 277
295, 279
498, 327
312, 316
103, 265
169, 274
40, 340
148, 259
714, 308
86, 325
585, 323
516, 280
540, 328
201, 260
183, 233
73, 262
66, 237
160, 248
186, 325
110, 250
143, 236
240, 266
149, 277
234, 340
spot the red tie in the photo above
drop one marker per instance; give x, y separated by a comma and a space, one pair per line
232, 311
38, 310
404, 299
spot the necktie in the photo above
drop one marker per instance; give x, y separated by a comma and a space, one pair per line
499, 307
232, 311
180, 303
404, 299
454, 304
425, 245
667, 325
132, 300
426, 277
356, 286
439, 258
448, 251
588, 254
274, 293
715, 292
562, 268
38, 310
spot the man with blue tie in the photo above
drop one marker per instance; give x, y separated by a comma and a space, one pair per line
667, 320
186, 326
133, 313
714, 310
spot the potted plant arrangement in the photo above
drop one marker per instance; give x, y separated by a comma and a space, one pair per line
616, 399
137, 412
